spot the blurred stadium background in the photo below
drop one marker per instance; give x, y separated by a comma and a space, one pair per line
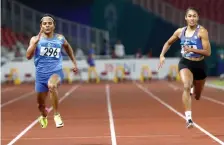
141, 27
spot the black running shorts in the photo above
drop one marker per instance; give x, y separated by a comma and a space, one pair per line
198, 68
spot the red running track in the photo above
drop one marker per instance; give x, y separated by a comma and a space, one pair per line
114, 114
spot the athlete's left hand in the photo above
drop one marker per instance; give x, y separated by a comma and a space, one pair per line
75, 69
187, 49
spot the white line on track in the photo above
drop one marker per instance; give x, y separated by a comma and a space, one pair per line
112, 129
7, 89
176, 112
175, 88
98, 137
214, 86
36, 121
17, 99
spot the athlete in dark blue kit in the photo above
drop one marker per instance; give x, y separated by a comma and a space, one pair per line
192, 67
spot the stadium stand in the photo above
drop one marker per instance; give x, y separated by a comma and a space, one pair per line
174, 10
204, 6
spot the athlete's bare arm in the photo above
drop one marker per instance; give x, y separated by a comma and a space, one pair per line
167, 45
170, 41
32, 45
206, 51
69, 51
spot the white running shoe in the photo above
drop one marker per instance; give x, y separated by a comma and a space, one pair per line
58, 121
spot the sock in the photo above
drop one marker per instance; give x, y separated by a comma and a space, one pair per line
192, 90
188, 115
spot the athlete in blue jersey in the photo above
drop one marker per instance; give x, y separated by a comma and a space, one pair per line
46, 48
192, 67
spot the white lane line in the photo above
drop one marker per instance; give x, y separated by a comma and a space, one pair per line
17, 99
112, 129
175, 88
36, 121
7, 89
99, 137
178, 113
214, 86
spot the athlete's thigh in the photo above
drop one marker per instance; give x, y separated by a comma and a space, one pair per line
199, 72
41, 97
186, 76
41, 87
56, 77
42, 91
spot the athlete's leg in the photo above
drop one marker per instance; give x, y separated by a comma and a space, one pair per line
42, 93
41, 101
198, 88
187, 80
53, 83
199, 79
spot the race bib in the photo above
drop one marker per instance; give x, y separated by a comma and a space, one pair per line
190, 46
50, 52
193, 46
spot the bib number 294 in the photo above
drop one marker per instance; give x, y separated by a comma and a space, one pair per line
50, 52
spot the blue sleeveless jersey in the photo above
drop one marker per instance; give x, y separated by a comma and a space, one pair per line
193, 42
48, 56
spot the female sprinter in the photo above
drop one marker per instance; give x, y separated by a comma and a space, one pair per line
46, 48
192, 68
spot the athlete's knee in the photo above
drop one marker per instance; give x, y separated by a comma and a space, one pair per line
187, 86
53, 82
52, 87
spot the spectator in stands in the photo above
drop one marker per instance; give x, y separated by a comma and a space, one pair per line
17, 52
106, 48
119, 49
138, 53
150, 54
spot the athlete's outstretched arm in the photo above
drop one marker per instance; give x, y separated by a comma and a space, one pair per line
167, 45
170, 41
206, 51
70, 53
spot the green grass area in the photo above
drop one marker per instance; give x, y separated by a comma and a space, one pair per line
218, 82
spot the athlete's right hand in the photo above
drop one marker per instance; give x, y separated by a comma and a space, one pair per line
37, 38
161, 61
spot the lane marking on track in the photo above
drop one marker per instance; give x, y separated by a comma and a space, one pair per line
110, 113
36, 121
18, 98
177, 112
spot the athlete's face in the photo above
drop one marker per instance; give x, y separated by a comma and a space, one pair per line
192, 18
47, 25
